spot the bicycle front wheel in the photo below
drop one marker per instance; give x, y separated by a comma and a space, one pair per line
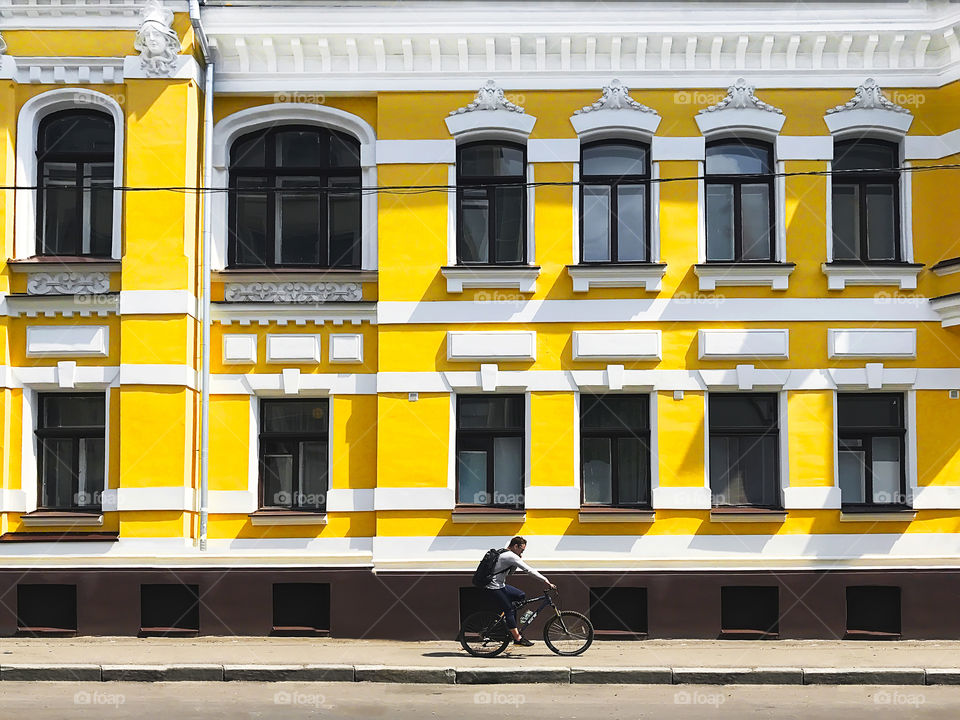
484, 634
568, 634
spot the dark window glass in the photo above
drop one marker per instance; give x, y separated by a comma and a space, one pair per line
744, 452
293, 454
70, 443
615, 450
490, 455
739, 198
75, 183
865, 202
296, 199
614, 203
870, 460
491, 204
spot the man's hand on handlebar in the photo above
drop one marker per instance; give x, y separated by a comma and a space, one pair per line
551, 586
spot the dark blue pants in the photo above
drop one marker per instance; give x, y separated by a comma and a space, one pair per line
506, 596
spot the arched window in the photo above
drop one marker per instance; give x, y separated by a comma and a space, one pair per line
866, 207
614, 202
75, 156
295, 199
740, 206
491, 203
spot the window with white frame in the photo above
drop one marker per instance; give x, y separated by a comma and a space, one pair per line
490, 450
744, 450
71, 444
871, 442
294, 449
615, 450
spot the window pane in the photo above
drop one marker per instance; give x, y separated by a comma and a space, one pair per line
597, 470
722, 454
344, 151
90, 481
98, 177
344, 229
313, 475
743, 412
474, 226
299, 148
509, 223
632, 479
504, 412
491, 160
614, 160
298, 224
596, 223
851, 472
755, 222
63, 411
869, 411
886, 471
61, 204
295, 416
73, 132
472, 477
58, 472
865, 155
632, 223
846, 222
720, 222
737, 159
881, 222
508, 470
249, 152
277, 473
251, 222
758, 469
618, 412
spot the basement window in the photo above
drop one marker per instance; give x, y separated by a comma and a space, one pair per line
749, 613
301, 609
873, 613
169, 609
474, 599
619, 612
46, 609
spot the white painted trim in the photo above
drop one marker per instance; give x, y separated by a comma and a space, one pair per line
839, 276
13, 501
309, 384
859, 120
575, 212
746, 378
524, 279
232, 502
553, 150
527, 446
783, 443
294, 348
416, 498
650, 278
706, 309
185, 67
416, 152
577, 439
721, 344
828, 213
616, 345
350, 499
936, 497
701, 214
29, 469
608, 122
451, 218
739, 122
306, 518
227, 130
145, 374
910, 444
345, 348
655, 214
776, 276
127, 499
71, 341
504, 345
552, 497
811, 498
683, 498
253, 451
804, 147
158, 302
531, 220
92, 15
678, 148
239, 349
654, 443
780, 213
872, 342
490, 124
28, 122
265, 314
906, 212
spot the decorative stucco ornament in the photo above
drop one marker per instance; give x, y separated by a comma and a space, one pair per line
741, 96
157, 41
3, 45
616, 96
293, 292
489, 97
68, 283
868, 96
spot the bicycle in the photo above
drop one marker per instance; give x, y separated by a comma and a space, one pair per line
485, 633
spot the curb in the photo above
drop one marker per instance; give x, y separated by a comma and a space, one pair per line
482, 675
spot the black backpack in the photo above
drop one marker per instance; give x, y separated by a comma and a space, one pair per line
485, 569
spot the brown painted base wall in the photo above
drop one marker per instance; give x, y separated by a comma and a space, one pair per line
422, 606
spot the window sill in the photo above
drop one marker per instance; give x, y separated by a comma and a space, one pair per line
841, 274
488, 515
28, 632
775, 275
44, 536
946, 267
63, 263
870, 635
748, 635
297, 631
904, 515
282, 517
167, 632
747, 515
649, 276
293, 285
614, 514
50, 518
523, 278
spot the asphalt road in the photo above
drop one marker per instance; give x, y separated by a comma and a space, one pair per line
185, 701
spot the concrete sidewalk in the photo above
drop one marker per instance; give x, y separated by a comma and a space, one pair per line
337, 660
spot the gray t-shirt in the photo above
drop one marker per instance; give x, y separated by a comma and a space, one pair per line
506, 564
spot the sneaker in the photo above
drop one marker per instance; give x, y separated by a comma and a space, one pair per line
524, 642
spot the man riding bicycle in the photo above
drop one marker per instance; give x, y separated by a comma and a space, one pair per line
509, 561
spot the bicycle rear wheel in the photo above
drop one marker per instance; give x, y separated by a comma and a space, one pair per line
569, 634
484, 634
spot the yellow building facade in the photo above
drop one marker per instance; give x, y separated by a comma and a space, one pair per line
673, 302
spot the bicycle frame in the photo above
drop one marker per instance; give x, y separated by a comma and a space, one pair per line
547, 600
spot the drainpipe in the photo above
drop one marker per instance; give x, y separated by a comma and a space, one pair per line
205, 271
